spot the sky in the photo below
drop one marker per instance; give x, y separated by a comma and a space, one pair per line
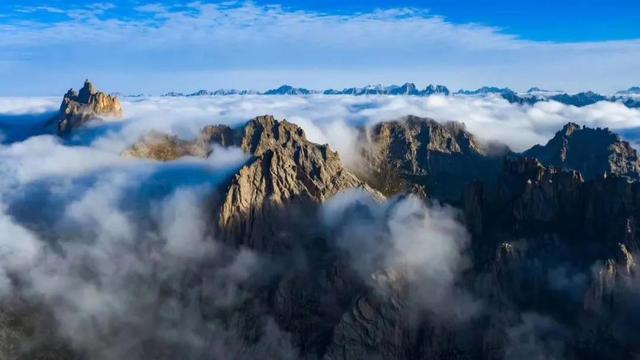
139, 47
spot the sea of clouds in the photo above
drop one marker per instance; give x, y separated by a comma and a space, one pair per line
97, 237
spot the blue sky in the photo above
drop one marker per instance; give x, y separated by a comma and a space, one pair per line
135, 46
546, 20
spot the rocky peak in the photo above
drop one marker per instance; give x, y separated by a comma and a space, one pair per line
161, 147
164, 147
219, 134
87, 91
286, 172
88, 104
593, 152
265, 132
527, 194
569, 128
287, 169
443, 157
428, 134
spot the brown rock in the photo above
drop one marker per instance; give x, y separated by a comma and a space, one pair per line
443, 157
87, 105
287, 170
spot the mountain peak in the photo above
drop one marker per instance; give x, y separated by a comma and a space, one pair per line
443, 157
288, 90
86, 105
593, 152
485, 90
569, 128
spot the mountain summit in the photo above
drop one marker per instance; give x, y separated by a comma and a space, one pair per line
88, 104
593, 152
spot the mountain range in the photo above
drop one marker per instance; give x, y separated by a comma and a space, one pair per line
551, 230
629, 97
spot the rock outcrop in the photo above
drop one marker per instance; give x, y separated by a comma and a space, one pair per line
611, 279
286, 171
164, 147
538, 230
593, 152
161, 147
442, 157
80, 107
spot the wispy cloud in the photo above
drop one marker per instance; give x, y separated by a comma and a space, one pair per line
157, 47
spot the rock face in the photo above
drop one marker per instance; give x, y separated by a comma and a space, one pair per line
442, 157
593, 152
164, 147
287, 169
612, 279
538, 228
88, 104
530, 198
161, 147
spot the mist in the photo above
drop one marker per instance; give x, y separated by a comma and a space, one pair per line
117, 254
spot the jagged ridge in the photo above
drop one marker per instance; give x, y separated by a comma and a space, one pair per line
86, 105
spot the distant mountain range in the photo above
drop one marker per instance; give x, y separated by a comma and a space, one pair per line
629, 97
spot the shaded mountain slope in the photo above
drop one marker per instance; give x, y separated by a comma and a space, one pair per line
593, 152
441, 157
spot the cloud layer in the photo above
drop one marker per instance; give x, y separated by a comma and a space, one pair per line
331, 119
96, 237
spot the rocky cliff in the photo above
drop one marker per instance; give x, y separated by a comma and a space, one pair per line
285, 174
546, 239
532, 199
593, 152
286, 171
164, 147
442, 157
80, 107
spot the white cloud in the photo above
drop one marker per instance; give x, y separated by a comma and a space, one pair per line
28, 105
141, 226
405, 240
247, 45
331, 119
183, 224
46, 156
19, 250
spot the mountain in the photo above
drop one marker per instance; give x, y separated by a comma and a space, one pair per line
407, 89
435, 90
630, 102
286, 169
541, 93
288, 90
486, 90
367, 90
173, 94
630, 98
548, 249
632, 91
88, 104
201, 93
593, 152
422, 151
224, 92
579, 99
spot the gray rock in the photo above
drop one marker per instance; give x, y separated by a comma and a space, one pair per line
593, 152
